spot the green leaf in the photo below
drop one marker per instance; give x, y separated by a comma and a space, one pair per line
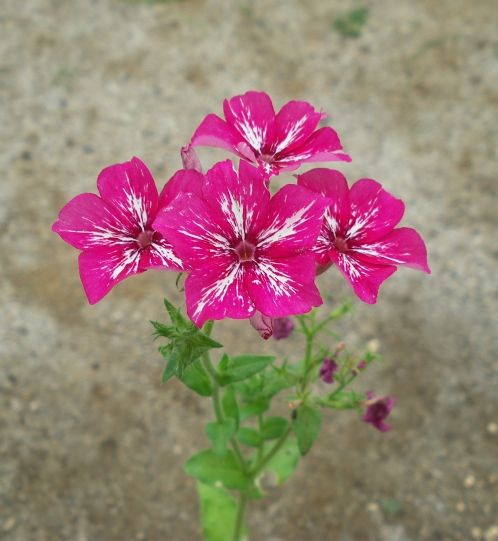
232, 369
249, 436
273, 428
219, 435
175, 315
284, 463
160, 329
186, 344
229, 403
306, 426
169, 371
218, 513
212, 469
249, 408
196, 378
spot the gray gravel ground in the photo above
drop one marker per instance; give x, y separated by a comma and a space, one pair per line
91, 445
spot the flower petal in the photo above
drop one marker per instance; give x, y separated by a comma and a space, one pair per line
238, 203
88, 221
183, 181
130, 188
215, 132
160, 255
332, 184
323, 145
295, 122
253, 117
283, 287
374, 212
217, 290
188, 225
364, 278
103, 267
294, 221
403, 246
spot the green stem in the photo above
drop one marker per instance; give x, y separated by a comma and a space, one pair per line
218, 409
239, 520
272, 452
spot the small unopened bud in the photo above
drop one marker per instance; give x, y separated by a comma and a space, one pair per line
190, 159
282, 327
263, 324
328, 369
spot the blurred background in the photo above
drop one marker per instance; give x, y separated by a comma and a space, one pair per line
91, 443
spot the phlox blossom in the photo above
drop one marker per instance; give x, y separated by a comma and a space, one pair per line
243, 249
114, 230
378, 410
274, 141
358, 233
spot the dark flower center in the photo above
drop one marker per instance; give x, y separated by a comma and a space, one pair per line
245, 250
145, 238
341, 244
267, 158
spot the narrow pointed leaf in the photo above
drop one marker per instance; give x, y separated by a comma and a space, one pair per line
306, 427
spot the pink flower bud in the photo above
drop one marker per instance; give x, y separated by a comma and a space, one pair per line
190, 159
282, 327
328, 369
263, 324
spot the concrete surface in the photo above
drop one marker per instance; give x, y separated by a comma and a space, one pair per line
91, 445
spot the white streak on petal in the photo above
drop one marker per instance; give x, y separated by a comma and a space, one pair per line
217, 291
292, 131
278, 231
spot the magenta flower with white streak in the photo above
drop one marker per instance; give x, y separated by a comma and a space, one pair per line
276, 142
245, 250
359, 234
114, 231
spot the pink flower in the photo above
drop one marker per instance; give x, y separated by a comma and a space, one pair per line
276, 142
378, 409
358, 232
114, 231
245, 251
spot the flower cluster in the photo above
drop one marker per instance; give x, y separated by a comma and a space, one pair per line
248, 254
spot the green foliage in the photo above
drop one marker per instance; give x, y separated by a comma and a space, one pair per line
306, 426
212, 469
343, 400
284, 463
218, 513
196, 378
186, 343
229, 404
219, 435
241, 367
249, 436
351, 23
273, 428
250, 407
